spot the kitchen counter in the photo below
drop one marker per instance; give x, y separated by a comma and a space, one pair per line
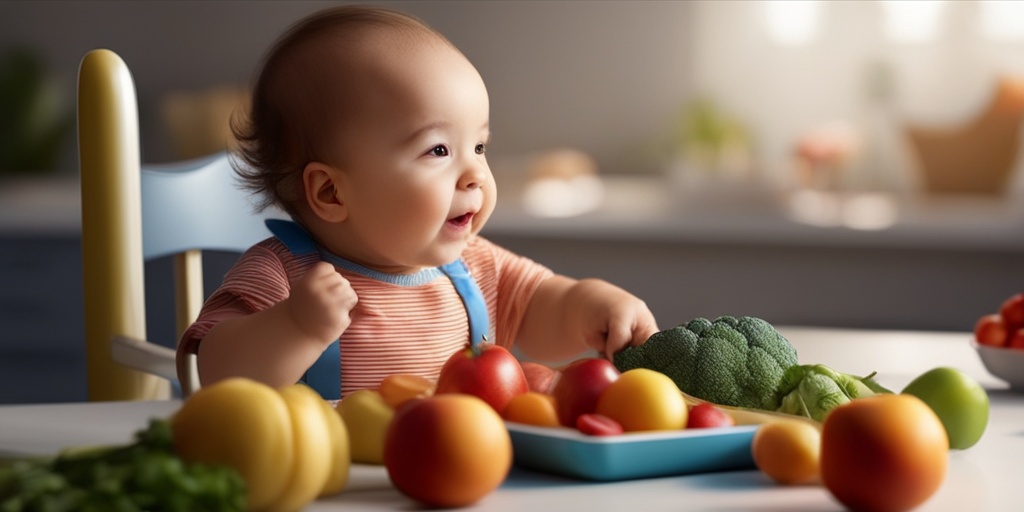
982, 478
652, 208
655, 208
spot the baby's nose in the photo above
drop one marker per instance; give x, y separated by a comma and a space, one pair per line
473, 177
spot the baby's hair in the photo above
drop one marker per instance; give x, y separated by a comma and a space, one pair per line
287, 125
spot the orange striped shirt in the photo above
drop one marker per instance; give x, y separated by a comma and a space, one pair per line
396, 328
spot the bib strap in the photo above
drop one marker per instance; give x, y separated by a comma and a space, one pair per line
325, 374
295, 237
472, 299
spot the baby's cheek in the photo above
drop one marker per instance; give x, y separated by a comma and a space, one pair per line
484, 214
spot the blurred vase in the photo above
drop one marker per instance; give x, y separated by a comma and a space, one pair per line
978, 157
199, 122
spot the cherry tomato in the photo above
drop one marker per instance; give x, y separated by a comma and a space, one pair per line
706, 415
1012, 311
593, 424
1016, 339
991, 330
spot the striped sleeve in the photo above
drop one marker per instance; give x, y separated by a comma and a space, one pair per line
258, 280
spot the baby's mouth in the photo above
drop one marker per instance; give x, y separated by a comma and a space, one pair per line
461, 220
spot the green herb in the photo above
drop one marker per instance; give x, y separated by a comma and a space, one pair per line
145, 475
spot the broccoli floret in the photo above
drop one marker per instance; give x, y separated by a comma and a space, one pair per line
737, 361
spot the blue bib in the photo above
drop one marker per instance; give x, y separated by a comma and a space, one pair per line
325, 374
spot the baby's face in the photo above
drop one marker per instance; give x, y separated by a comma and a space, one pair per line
413, 162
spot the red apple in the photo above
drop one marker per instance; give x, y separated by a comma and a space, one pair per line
579, 387
486, 371
706, 415
539, 377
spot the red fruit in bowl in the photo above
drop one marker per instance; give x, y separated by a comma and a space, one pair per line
991, 330
1012, 311
487, 371
580, 385
539, 377
1016, 339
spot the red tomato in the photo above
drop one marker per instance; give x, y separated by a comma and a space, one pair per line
1012, 311
487, 371
706, 415
593, 424
991, 330
1016, 339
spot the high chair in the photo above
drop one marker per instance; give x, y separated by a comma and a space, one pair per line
133, 213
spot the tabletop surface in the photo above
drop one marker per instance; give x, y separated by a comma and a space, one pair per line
984, 477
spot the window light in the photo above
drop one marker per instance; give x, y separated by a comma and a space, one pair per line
1002, 20
913, 21
792, 22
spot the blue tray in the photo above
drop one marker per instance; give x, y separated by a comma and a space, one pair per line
567, 452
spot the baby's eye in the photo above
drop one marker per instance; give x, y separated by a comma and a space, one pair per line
480, 149
439, 150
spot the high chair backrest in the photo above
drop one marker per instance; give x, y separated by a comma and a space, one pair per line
131, 214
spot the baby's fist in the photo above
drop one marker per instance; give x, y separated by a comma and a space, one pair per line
321, 302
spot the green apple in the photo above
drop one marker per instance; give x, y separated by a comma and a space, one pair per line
958, 400
367, 417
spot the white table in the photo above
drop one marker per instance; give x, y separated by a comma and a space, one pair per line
986, 477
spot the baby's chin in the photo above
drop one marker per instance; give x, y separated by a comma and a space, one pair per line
451, 252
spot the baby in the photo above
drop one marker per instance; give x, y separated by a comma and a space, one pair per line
370, 129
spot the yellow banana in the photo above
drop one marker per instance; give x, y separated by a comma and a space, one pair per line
746, 416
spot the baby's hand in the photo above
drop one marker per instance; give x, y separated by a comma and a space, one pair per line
612, 317
321, 303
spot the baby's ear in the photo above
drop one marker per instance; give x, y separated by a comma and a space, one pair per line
321, 186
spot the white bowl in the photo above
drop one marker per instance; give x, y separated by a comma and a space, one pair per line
1005, 363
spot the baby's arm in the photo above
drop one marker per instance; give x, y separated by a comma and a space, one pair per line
567, 316
277, 345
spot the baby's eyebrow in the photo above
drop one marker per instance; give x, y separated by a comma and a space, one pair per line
429, 127
442, 126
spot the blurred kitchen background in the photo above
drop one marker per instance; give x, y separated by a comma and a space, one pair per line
845, 164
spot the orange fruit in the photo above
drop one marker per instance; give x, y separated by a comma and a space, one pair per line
532, 408
643, 399
447, 450
883, 453
788, 451
400, 388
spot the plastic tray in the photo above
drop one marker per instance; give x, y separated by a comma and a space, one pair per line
567, 452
